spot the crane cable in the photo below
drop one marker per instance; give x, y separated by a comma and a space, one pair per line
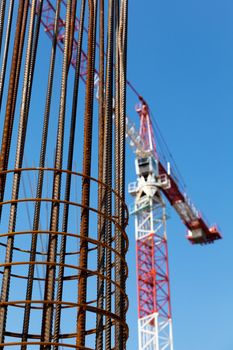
167, 150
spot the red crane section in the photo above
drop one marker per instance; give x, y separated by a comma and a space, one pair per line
198, 230
47, 20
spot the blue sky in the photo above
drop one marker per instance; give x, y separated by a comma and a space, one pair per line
181, 60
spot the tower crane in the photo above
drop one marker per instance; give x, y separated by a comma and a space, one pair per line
154, 179
154, 182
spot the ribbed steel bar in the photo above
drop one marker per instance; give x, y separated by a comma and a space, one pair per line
101, 228
117, 261
120, 244
12, 91
68, 177
107, 176
17, 77
6, 49
40, 179
67, 264
32, 62
47, 319
28, 77
16, 87
88, 118
123, 158
2, 18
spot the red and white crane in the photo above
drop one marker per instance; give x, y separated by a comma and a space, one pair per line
154, 308
154, 182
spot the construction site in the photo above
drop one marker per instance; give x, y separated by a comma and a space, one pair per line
101, 244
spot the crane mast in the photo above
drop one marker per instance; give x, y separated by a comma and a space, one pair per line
154, 306
153, 180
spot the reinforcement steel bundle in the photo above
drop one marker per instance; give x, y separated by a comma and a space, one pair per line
62, 174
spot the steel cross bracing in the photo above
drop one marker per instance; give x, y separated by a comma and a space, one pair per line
154, 308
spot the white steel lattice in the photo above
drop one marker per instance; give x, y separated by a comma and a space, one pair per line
154, 323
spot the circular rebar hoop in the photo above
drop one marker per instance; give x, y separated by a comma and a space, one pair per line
19, 265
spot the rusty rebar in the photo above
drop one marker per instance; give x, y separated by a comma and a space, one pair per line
28, 77
90, 240
2, 18
6, 49
12, 91
69, 167
40, 179
117, 164
101, 228
81, 275
107, 175
47, 319
120, 244
84, 226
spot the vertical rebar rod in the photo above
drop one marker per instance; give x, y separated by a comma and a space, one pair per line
68, 176
17, 76
48, 308
40, 180
28, 77
116, 168
123, 70
101, 228
22, 30
6, 49
120, 246
72, 27
84, 228
57, 253
107, 176
32, 63
2, 18
12, 91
